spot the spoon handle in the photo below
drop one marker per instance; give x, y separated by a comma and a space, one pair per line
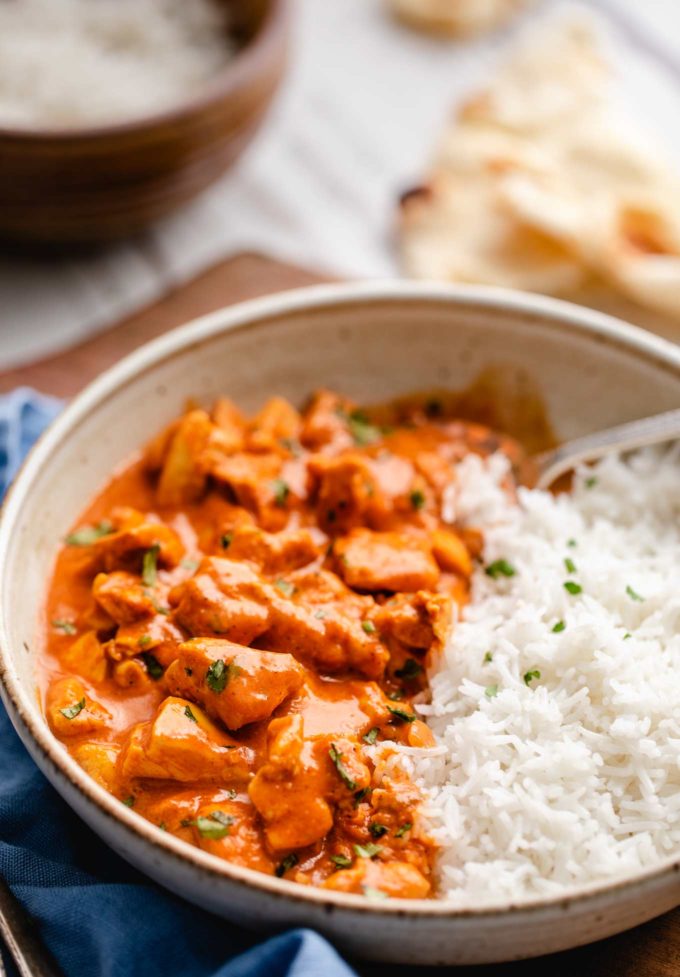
28, 952
625, 437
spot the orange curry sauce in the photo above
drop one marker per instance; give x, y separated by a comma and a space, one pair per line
245, 610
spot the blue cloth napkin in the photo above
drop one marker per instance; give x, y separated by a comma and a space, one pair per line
98, 916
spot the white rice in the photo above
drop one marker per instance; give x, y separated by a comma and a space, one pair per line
69, 62
574, 777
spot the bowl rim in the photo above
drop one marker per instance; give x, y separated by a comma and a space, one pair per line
24, 708
237, 73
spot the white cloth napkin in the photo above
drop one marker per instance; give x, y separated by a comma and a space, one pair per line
363, 103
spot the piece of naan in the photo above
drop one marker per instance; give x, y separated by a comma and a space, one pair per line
542, 183
458, 18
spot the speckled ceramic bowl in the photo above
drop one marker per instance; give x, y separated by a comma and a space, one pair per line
372, 342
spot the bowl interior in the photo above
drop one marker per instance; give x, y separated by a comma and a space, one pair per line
371, 349
370, 342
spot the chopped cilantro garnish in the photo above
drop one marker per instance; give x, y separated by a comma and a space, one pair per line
225, 540
571, 542
336, 758
342, 861
369, 850
488, 657
560, 626
215, 826
572, 588
371, 736
286, 588
153, 666
129, 801
627, 635
500, 568
362, 795
633, 594
409, 669
70, 712
368, 626
401, 831
376, 894
150, 566
417, 499
290, 861
144, 641
530, 676
87, 535
189, 714
590, 482
281, 491
490, 691
292, 445
570, 565
400, 715
162, 825
361, 428
220, 674
377, 830
66, 627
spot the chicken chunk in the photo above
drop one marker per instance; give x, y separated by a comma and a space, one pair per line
230, 421
320, 621
252, 480
99, 760
421, 620
223, 599
157, 636
72, 710
353, 489
123, 596
229, 600
324, 422
183, 476
451, 553
326, 636
133, 536
235, 684
296, 787
273, 553
230, 830
386, 561
345, 488
277, 421
397, 880
86, 657
181, 743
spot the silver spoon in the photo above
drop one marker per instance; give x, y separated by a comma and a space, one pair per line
31, 957
625, 437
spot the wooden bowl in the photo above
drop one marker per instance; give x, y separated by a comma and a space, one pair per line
90, 185
374, 342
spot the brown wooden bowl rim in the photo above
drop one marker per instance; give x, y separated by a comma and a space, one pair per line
237, 73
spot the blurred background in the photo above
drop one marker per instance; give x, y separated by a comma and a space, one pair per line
175, 143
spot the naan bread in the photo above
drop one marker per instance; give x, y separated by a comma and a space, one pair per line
459, 18
542, 184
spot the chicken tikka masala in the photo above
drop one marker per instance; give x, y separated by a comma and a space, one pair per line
246, 611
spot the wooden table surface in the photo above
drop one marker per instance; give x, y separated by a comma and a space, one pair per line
652, 950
